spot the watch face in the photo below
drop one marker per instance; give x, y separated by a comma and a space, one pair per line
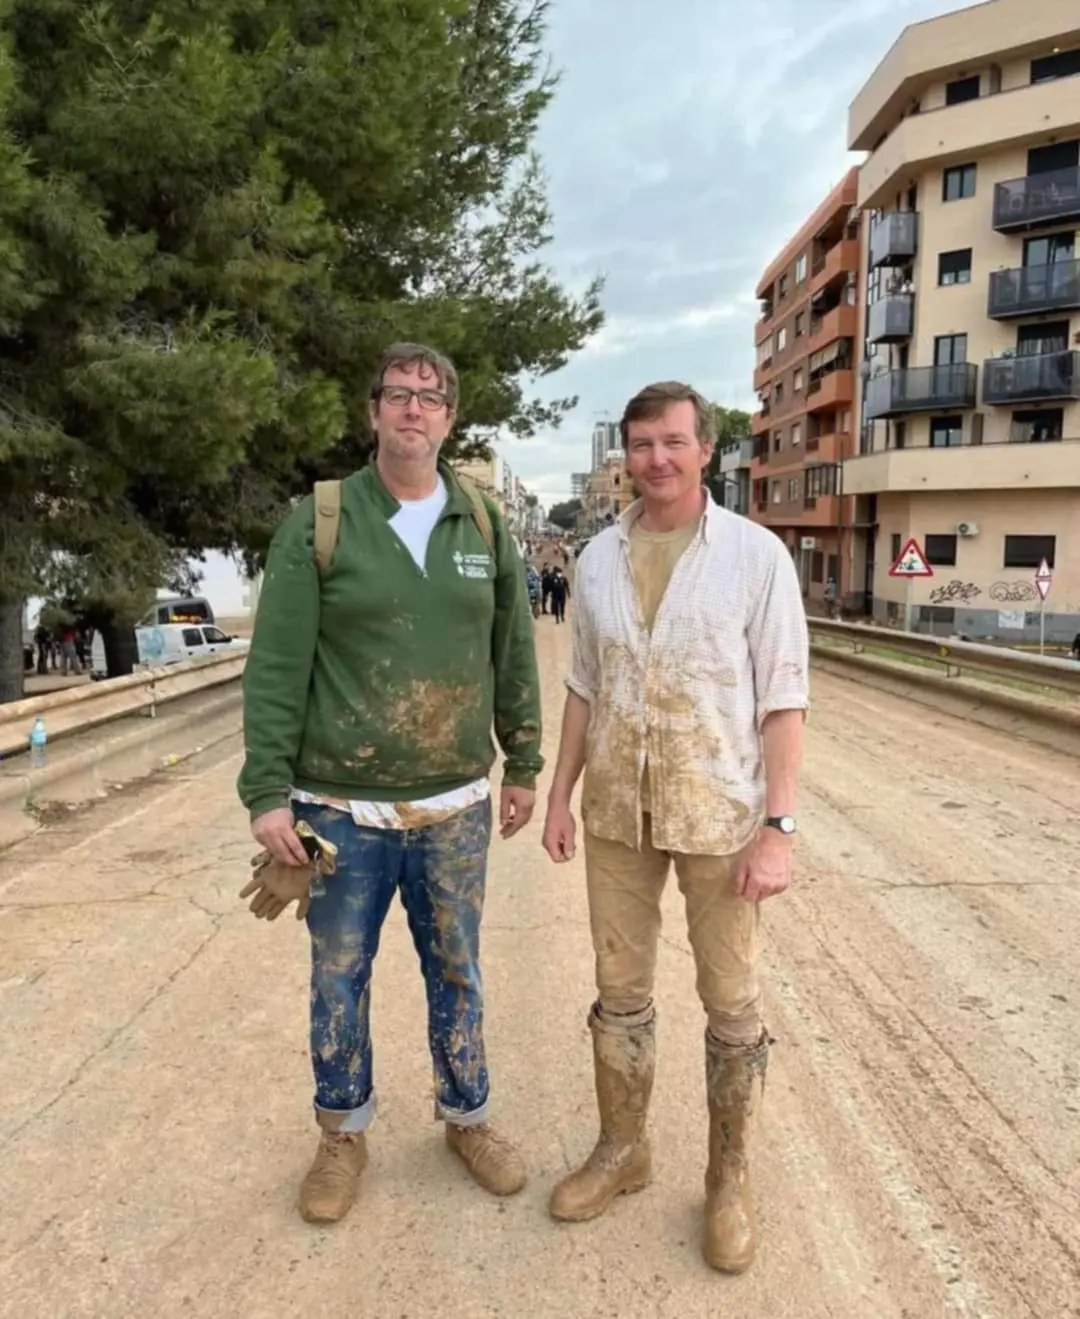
785, 823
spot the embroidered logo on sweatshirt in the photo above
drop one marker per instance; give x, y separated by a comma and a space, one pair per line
478, 566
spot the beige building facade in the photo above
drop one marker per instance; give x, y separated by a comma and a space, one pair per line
969, 388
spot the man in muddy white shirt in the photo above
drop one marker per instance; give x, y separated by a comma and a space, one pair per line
686, 704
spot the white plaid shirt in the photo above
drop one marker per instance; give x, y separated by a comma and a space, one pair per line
729, 646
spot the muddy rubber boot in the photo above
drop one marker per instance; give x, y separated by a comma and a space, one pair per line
624, 1059
329, 1189
494, 1162
735, 1078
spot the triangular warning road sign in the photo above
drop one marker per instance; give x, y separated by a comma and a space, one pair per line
911, 562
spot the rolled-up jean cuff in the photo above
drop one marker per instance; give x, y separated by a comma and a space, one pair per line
348, 1120
476, 1118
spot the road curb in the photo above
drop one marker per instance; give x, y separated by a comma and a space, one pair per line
1048, 723
83, 768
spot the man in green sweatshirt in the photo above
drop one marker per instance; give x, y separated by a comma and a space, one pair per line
393, 629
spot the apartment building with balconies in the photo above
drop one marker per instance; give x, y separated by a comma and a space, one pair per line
804, 377
969, 388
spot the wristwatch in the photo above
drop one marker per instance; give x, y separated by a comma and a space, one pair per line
785, 823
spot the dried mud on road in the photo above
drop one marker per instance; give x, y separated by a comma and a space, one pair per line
920, 1152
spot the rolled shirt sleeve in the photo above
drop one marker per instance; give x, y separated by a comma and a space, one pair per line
584, 676
779, 641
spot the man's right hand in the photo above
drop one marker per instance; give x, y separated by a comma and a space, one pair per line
559, 832
275, 832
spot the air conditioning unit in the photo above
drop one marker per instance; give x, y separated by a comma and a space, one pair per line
967, 529
808, 543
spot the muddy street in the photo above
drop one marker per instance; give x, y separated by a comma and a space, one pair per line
920, 1148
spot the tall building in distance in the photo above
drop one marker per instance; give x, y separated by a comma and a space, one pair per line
969, 389
805, 381
605, 440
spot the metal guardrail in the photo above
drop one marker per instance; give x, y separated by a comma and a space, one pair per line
956, 658
74, 709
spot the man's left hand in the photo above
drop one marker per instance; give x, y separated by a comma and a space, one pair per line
765, 870
515, 809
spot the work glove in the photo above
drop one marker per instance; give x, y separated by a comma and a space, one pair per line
275, 885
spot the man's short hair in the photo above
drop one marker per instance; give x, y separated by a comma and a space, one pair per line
654, 400
418, 354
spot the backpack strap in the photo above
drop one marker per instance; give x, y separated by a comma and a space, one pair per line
480, 512
327, 496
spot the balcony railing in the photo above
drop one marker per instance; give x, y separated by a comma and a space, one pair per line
1032, 290
1032, 377
1037, 199
891, 318
894, 238
921, 389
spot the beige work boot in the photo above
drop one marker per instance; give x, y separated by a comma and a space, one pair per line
735, 1078
494, 1161
329, 1189
624, 1060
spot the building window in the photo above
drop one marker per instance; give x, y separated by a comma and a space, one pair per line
800, 269
793, 488
958, 183
797, 380
778, 392
782, 286
1037, 426
777, 492
778, 441
1062, 65
940, 551
1028, 551
946, 432
950, 350
796, 433
821, 481
781, 339
897, 546
961, 90
955, 267
800, 325
937, 614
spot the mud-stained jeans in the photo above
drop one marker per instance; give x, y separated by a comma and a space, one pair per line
625, 888
439, 871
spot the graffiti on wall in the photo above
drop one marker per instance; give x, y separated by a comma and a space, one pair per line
1013, 593
954, 591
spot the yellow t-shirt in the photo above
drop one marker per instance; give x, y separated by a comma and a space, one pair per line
653, 556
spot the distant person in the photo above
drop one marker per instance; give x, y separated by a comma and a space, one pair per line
545, 588
560, 593
393, 630
1076, 647
831, 608
687, 696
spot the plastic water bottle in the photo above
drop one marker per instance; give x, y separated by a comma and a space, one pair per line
38, 738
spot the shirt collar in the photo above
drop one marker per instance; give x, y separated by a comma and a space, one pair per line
711, 517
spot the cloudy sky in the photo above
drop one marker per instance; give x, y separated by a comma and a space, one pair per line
688, 141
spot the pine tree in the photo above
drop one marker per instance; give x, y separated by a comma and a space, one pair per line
224, 211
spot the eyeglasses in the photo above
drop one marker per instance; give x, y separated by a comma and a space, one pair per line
398, 396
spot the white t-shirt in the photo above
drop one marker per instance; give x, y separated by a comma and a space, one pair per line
413, 522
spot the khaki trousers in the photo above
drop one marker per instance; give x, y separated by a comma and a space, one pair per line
625, 888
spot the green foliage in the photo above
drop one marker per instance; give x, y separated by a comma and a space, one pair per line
214, 214
565, 514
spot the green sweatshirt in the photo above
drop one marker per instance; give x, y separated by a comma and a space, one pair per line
380, 682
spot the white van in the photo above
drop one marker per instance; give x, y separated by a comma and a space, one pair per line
170, 644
